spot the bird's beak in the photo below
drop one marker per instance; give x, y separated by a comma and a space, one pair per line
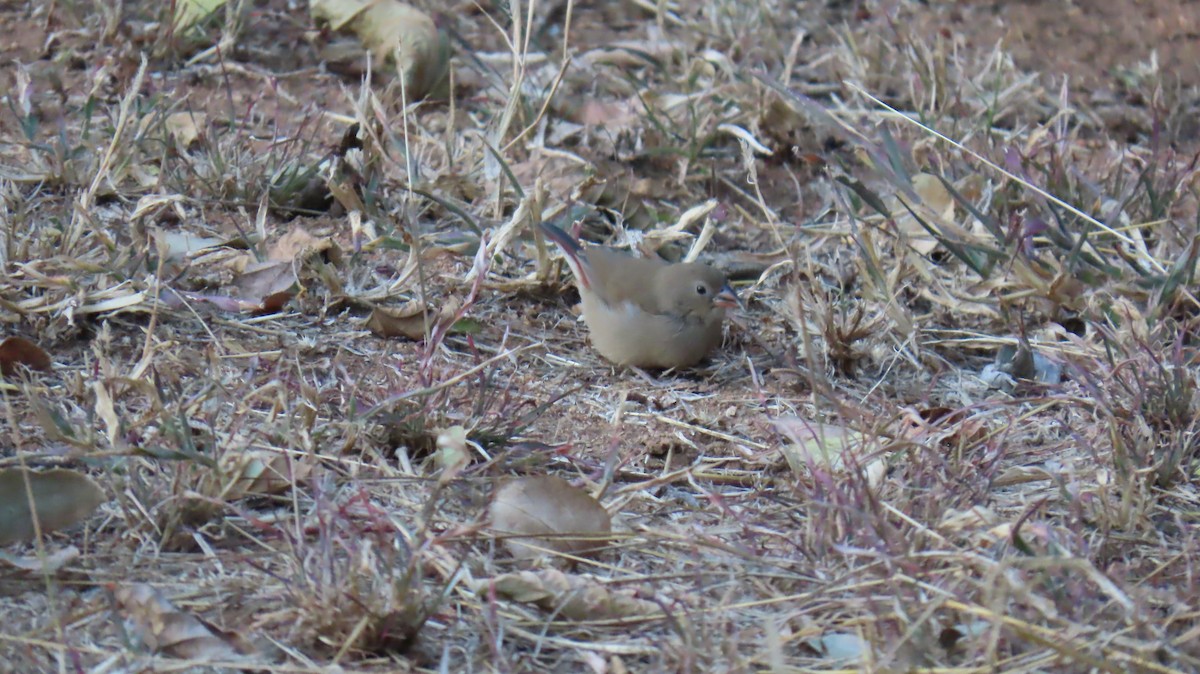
727, 299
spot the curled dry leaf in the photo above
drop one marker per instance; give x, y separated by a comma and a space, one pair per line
174, 245
298, 243
16, 351
1021, 475
409, 320
572, 597
258, 473
395, 33
177, 299
185, 127
614, 115
166, 629
545, 515
266, 286
781, 123
973, 518
607, 184
453, 452
936, 209
61, 497
188, 13
631, 53
816, 444
947, 427
841, 646
51, 563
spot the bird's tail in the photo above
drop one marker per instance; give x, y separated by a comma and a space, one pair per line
575, 256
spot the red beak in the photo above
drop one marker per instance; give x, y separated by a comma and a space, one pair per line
727, 299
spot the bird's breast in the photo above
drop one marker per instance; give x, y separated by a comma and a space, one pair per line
627, 334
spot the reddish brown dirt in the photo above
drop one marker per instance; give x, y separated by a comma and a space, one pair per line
1091, 42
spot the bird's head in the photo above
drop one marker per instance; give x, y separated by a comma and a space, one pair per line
695, 290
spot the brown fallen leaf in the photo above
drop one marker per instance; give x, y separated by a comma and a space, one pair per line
572, 597
816, 443
783, 124
185, 127
266, 286
400, 322
188, 13
299, 243
61, 497
409, 320
936, 209
614, 115
840, 646
973, 518
166, 629
174, 245
453, 452
177, 300
947, 427
631, 53
16, 351
51, 563
258, 473
395, 33
545, 515
829, 447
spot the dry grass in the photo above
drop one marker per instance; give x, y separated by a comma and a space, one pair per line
1006, 367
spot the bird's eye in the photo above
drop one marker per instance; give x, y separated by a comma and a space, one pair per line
701, 289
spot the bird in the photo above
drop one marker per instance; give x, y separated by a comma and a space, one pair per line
647, 313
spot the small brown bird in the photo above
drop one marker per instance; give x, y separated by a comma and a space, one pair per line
647, 313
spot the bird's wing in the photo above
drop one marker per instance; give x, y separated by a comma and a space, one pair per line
618, 278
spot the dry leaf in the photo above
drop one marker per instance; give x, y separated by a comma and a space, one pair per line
548, 514
409, 320
185, 127
828, 446
267, 286
257, 473
176, 245
815, 442
188, 13
62, 497
270, 473
936, 209
51, 563
782, 123
569, 596
613, 115
631, 53
166, 629
176, 300
15, 351
934, 194
975, 517
453, 453
107, 413
950, 428
1021, 475
841, 646
395, 33
298, 243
